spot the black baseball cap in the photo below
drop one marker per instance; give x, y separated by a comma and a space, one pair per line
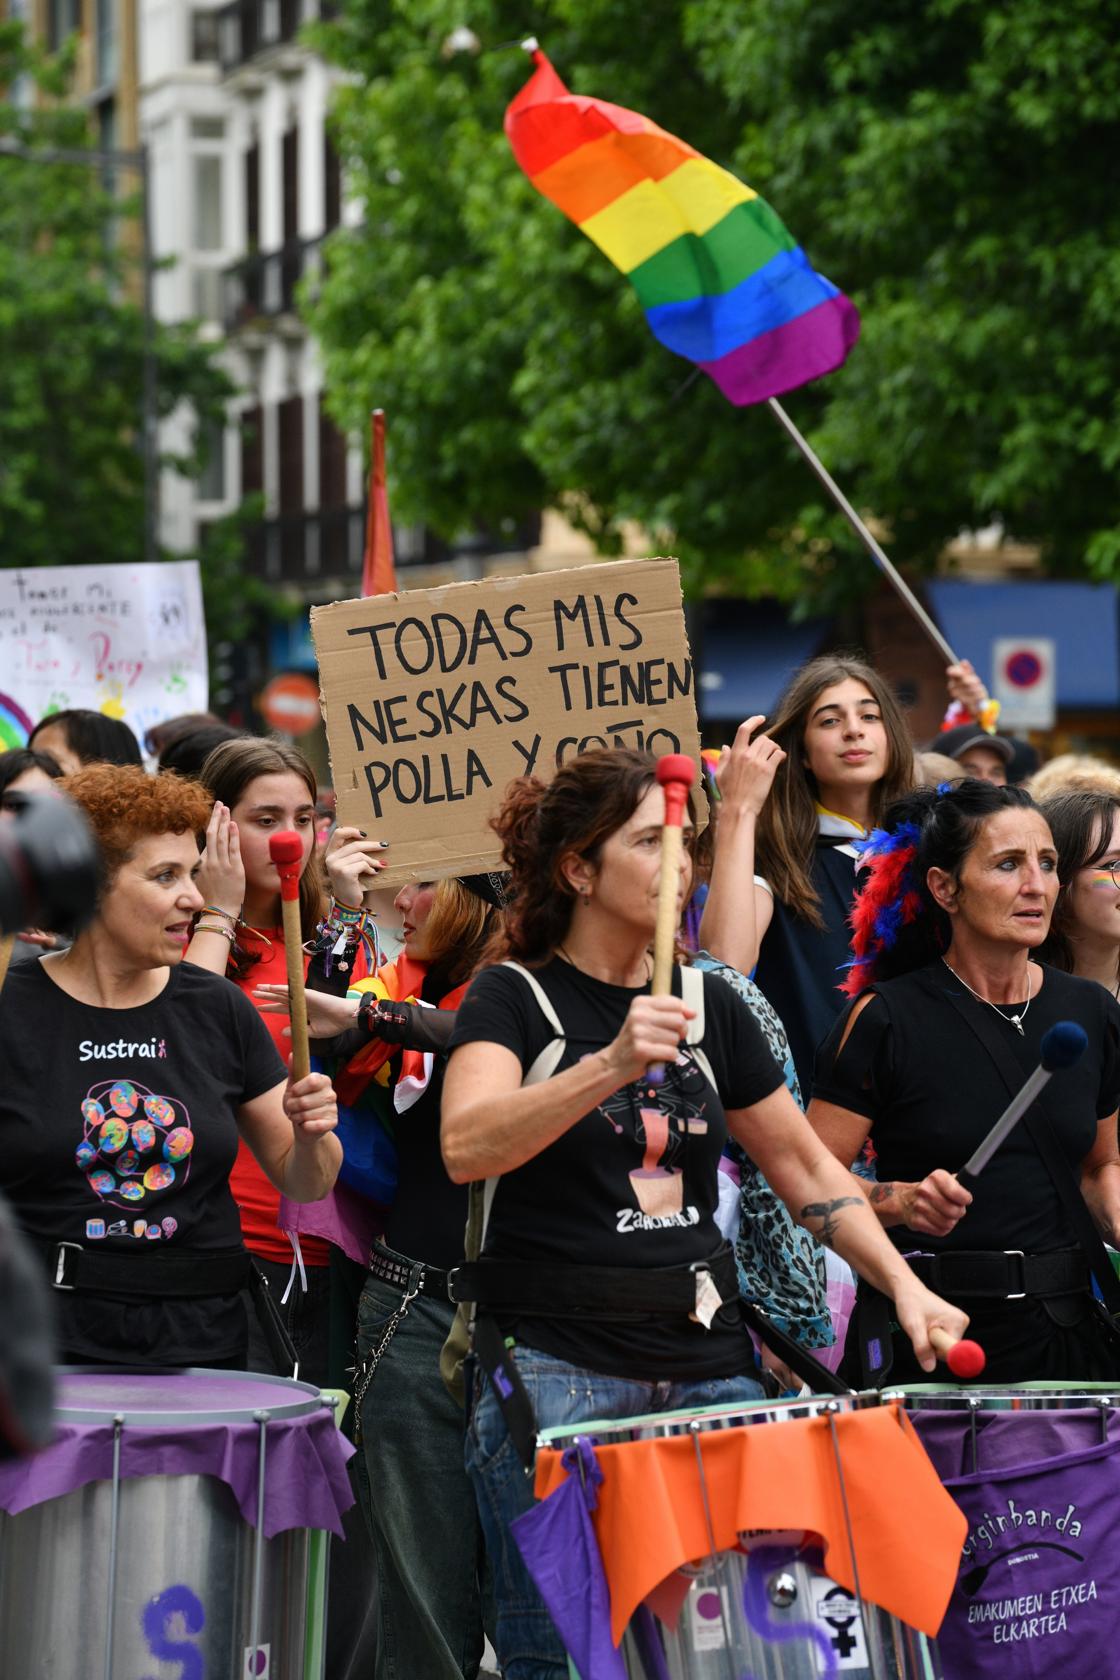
954, 742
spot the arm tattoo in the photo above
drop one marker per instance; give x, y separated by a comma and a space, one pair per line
880, 1193
826, 1212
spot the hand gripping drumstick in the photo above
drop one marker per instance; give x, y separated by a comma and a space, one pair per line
1062, 1046
286, 852
964, 1358
676, 773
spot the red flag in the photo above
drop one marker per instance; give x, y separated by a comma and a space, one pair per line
379, 573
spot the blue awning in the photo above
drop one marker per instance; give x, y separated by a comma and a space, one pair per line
746, 658
1081, 618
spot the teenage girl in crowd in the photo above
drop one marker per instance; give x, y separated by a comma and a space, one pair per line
792, 803
1085, 932
262, 788
415, 1492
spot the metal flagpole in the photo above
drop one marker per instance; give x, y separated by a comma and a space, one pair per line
885, 565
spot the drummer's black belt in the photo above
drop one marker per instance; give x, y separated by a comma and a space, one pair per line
1002, 1275
614, 1294
172, 1275
411, 1276
529, 1289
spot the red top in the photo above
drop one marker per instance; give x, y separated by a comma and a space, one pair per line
258, 1201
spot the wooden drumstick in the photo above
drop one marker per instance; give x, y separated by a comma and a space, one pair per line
286, 852
676, 773
7, 946
964, 1358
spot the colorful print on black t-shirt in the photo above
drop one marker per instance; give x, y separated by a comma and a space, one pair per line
135, 1146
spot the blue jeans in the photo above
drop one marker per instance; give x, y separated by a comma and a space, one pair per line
527, 1643
416, 1497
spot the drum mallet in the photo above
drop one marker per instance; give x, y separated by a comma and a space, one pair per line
964, 1358
676, 773
286, 852
1062, 1047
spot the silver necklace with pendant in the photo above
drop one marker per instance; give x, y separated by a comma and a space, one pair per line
1015, 1021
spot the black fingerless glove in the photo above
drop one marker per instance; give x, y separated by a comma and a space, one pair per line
407, 1024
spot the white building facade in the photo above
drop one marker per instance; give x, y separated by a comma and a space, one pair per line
245, 186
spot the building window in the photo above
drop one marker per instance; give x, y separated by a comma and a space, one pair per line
253, 197
332, 462
290, 414
207, 202
212, 479
332, 183
64, 19
106, 43
291, 184
208, 128
206, 294
252, 451
205, 38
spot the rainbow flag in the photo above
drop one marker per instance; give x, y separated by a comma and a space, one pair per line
721, 279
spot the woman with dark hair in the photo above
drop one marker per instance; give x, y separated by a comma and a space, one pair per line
950, 1007
78, 736
25, 773
1084, 935
604, 1289
188, 752
261, 788
416, 1498
128, 1079
22, 772
794, 800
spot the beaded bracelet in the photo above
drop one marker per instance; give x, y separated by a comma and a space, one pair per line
208, 927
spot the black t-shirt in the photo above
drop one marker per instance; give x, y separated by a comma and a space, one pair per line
916, 1070
119, 1129
800, 967
428, 1217
634, 1182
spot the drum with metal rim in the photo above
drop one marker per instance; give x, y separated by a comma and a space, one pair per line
764, 1605
179, 1517
1036, 1470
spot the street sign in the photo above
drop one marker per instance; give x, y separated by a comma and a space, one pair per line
1023, 681
290, 703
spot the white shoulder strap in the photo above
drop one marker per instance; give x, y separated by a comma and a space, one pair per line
692, 993
543, 1068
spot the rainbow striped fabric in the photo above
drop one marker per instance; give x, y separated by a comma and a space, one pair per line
720, 278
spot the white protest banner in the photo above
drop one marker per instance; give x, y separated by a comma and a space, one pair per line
129, 641
437, 698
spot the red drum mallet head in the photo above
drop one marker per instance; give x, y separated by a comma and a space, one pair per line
286, 852
966, 1360
676, 773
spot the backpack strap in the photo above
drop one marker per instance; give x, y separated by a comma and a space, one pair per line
692, 994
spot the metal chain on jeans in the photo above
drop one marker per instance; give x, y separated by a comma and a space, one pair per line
365, 1371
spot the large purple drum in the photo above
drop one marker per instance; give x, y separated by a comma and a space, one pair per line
1036, 1470
177, 1518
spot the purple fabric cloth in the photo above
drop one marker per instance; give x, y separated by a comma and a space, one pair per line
343, 1218
561, 1553
1038, 1592
306, 1484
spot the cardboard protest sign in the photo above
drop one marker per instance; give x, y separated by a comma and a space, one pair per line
436, 699
128, 640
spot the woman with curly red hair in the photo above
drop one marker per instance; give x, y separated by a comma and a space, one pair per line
127, 1078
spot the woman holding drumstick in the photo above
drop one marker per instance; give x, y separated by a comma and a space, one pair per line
261, 789
948, 1019
599, 1169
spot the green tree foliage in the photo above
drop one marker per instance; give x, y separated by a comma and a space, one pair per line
72, 337
949, 164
